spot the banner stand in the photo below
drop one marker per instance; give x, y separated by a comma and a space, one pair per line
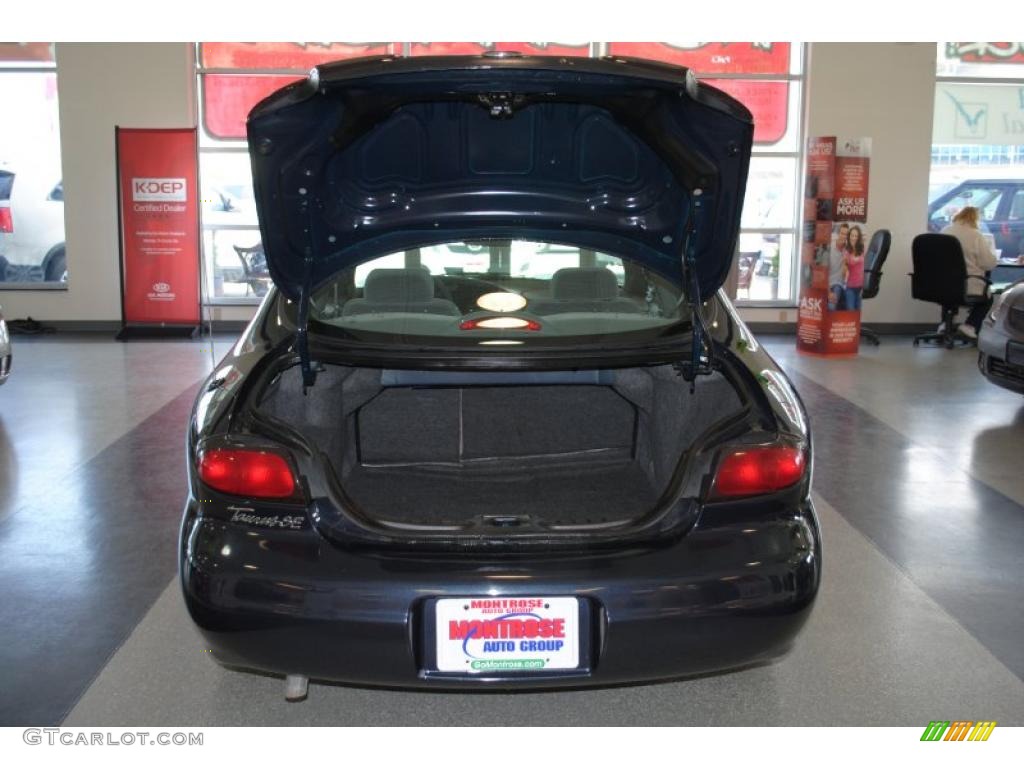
158, 233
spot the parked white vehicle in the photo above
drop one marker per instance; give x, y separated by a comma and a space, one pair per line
31, 225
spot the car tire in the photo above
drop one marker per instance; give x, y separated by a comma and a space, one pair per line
57, 266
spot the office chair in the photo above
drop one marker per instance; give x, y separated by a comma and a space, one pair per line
254, 268
878, 251
940, 276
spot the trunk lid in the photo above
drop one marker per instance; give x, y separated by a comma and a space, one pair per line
374, 155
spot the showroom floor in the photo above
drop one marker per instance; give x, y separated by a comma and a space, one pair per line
917, 481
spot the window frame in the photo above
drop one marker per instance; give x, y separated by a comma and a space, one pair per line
38, 66
796, 75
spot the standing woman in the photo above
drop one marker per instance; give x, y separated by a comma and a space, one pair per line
854, 268
979, 259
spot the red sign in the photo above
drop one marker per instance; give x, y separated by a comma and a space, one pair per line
26, 52
227, 100
986, 53
531, 49
767, 101
159, 202
300, 56
713, 58
850, 200
831, 263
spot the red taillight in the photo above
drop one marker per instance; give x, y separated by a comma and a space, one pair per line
6, 221
758, 469
238, 472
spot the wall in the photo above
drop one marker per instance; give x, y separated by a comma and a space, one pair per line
881, 90
100, 86
885, 91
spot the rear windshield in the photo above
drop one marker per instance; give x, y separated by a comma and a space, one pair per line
498, 293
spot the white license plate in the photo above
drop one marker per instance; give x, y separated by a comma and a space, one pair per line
477, 635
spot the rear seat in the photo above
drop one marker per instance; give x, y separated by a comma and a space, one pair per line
583, 289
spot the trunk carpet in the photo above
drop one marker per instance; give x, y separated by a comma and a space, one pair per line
571, 494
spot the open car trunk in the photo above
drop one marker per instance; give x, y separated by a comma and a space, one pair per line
555, 449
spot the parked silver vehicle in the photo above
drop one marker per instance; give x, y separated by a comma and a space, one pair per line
5, 349
1001, 341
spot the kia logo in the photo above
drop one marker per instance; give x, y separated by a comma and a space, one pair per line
161, 287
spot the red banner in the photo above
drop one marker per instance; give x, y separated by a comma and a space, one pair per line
834, 246
713, 58
851, 193
301, 56
159, 204
530, 49
227, 100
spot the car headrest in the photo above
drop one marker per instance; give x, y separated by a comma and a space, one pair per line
399, 286
584, 283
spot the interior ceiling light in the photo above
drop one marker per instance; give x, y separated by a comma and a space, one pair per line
501, 301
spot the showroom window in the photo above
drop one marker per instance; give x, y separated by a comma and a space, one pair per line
31, 185
978, 140
767, 77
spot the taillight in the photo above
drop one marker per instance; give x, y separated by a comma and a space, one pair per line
251, 473
503, 323
6, 220
758, 469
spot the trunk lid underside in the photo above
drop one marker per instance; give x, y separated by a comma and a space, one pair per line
378, 155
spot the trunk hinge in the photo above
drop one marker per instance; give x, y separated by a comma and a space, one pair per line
701, 362
309, 368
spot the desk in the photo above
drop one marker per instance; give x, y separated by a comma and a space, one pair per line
1003, 276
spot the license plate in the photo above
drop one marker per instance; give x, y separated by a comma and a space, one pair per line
477, 635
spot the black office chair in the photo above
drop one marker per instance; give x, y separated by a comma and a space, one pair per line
878, 251
254, 268
940, 276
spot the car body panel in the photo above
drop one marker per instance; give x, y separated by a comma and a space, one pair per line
1001, 340
377, 155
6, 357
734, 589
303, 586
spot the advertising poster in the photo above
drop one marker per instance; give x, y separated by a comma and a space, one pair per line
834, 245
159, 217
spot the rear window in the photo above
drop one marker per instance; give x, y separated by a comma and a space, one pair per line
498, 293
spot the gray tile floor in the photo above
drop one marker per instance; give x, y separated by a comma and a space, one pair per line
888, 642
876, 651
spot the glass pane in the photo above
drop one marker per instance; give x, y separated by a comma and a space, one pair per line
765, 264
227, 100
978, 159
298, 56
29, 54
771, 188
227, 199
235, 265
767, 100
492, 290
980, 60
713, 58
31, 190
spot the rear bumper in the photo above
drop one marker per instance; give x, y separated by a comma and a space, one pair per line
289, 602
